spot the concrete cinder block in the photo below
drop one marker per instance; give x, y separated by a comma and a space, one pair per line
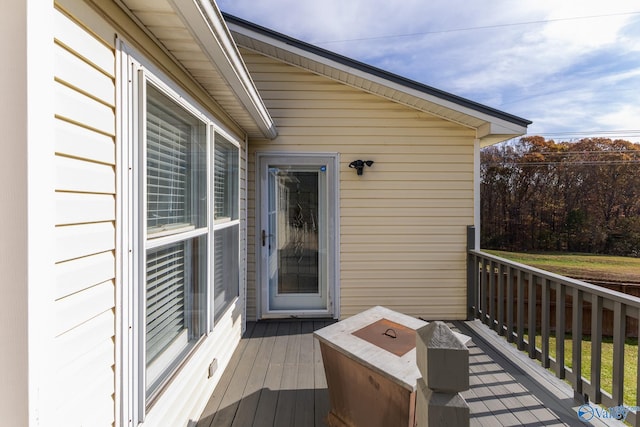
443, 360
440, 409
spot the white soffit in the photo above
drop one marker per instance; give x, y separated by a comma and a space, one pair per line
491, 125
194, 33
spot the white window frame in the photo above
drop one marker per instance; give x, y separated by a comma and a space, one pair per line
224, 223
145, 78
132, 242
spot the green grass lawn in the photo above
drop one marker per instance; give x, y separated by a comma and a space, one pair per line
587, 267
606, 377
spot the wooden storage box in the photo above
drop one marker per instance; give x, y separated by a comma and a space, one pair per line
370, 364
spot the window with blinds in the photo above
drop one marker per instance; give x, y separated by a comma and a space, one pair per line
176, 166
165, 297
176, 205
182, 220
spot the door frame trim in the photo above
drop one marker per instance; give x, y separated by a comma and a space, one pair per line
333, 247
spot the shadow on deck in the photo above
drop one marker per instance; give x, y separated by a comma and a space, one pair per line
276, 379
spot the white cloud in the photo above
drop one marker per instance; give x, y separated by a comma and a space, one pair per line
532, 58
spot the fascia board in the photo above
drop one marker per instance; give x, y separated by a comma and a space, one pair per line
205, 24
493, 133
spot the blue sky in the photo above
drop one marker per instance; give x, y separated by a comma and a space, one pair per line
572, 67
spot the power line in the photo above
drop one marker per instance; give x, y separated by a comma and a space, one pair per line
485, 27
563, 153
594, 132
589, 135
609, 134
568, 163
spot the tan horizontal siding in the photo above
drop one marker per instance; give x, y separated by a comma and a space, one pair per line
437, 241
84, 90
84, 143
81, 38
74, 208
79, 274
410, 194
75, 72
402, 223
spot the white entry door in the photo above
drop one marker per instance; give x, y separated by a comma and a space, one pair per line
297, 229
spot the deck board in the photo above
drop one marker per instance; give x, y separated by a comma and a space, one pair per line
265, 412
213, 405
321, 395
255, 384
235, 393
276, 379
304, 401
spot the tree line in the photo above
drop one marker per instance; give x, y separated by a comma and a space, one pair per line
542, 195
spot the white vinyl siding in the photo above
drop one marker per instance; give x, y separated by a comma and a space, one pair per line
90, 362
84, 134
403, 222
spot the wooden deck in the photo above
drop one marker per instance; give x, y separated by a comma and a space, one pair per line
276, 379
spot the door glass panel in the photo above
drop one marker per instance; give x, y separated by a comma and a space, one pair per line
296, 236
298, 232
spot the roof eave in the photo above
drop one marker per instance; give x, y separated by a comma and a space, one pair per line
493, 132
206, 24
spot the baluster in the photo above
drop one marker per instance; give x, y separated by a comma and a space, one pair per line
619, 335
520, 322
509, 304
501, 299
596, 346
637, 420
576, 339
560, 328
545, 324
476, 286
492, 295
531, 324
483, 290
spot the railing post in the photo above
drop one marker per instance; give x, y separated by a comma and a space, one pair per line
472, 269
443, 362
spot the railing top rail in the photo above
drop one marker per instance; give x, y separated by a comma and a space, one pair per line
626, 299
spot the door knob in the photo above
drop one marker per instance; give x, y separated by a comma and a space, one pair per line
264, 237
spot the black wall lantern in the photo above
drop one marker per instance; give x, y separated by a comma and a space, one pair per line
358, 165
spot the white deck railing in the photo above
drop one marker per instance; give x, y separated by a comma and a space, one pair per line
521, 302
